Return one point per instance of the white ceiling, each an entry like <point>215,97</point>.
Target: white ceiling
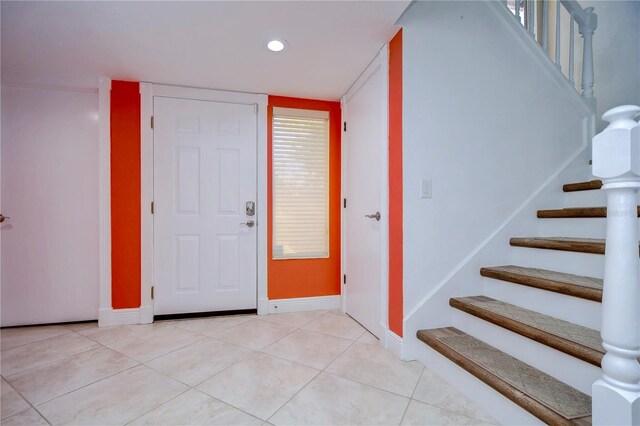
<point>217,45</point>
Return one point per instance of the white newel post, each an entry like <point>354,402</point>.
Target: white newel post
<point>616,160</point>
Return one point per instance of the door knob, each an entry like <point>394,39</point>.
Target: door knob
<point>375,216</point>
<point>3,218</point>
<point>249,224</point>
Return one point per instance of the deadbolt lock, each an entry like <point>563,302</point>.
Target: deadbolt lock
<point>251,208</point>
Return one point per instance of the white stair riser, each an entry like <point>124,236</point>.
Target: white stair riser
<point>574,227</point>
<point>566,368</point>
<point>573,309</point>
<point>585,264</point>
<point>594,198</point>
<point>492,402</point>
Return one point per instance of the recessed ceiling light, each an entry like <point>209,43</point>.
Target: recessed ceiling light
<point>275,45</point>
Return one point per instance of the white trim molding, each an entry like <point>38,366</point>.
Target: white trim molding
<point>109,317</point>
<point>301,304</point>
<point>393,343</point>
<point>104,195</point>
<point>49,81</point>
<point>146,197</point>
<point>262,206</point>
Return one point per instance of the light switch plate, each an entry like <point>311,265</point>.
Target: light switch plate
<point>425,188</point>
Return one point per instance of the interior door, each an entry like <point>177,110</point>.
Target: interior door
<point>365,172</point>
<point>50,269</point>
<point>205,240</point>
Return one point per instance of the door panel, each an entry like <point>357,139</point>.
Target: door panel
<point>366,139</point>
<point>204,173</point>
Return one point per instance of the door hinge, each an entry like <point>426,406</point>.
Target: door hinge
<point>344,279</point>
<point>153,205</point>
<point>344,126</point>
<point>152,121</point>
<point>344,203</point>
<point>152,292</point>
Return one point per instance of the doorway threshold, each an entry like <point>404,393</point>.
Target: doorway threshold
<point>204,314</point>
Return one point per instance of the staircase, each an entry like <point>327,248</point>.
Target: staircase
<point>541,394</point>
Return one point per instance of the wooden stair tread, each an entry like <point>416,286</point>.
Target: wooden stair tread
<point>575,340</point>
<point>572,285</point>
<point>547,398</point>
<point>582,186</point>
<point>575,212</point>
<point>581,245</point>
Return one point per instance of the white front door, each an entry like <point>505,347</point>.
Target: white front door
<point>205,245</point>
<point>365,142</point>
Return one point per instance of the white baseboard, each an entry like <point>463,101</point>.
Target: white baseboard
<point>109,317</point>
<point>300,304</point>
<point>104,317</point>
<point>146,314</point>
<point>263,306</point>
<point>393,343</point>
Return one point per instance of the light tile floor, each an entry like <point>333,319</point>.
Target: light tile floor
<point>318,368</point>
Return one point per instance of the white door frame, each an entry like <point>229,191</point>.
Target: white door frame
<point>144,314</point>
<point>105,310</point>
<point>380,63</point>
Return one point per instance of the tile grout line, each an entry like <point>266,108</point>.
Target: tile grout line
<point>307,384</point>
<point>412,394</point>
<point>260,351</point>
<point>155,408</point>
<point>38,341</point>
<point>221,371</point>
<point>54,361</point>
<point>90,384</point>
<point>213,337</point>
<point>424,367</point>
<point>374,386</point>
<point>453,411</point>
<point>100,345</point>
<point>27,401</point>
<point>188,385</point>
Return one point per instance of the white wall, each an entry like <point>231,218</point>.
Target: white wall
<point>616,51</point>
<point>487,119</point>
<point>50,190</point>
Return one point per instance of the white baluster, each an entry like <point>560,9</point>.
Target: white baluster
<point>517,5</point>
<point>586,30</point>
<point>545,26</point>
<point>616,160</point>
<point>531,13</point>
<point>571,48</point>
<point>558,34</point>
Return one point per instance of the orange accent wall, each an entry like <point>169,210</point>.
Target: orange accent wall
<point>395,185</point>
<point>307,277</point>
<point>125,195</point>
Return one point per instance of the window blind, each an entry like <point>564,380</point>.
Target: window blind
<point>300,184</point>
